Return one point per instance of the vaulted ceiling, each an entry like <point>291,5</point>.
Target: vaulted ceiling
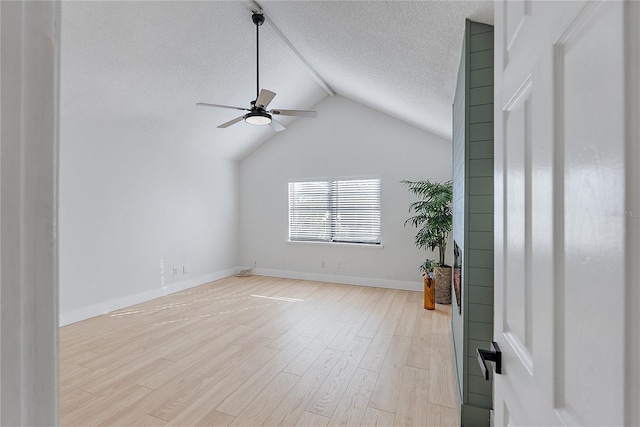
<point>144,65</point>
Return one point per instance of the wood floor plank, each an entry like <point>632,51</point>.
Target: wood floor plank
<point>387,389</point>
<point>201,416</point>
<point>71,374</point>
<point>149,421</point>
<point>376,418</point>
<point>309,419</point>
<point>135,345</point>
<point>127,415</point>
<point>441,319</point>
<point>231,310</point>
<point>214,419</point>
<point>73,398</point>
<point>357,300</point>
<point>177,397</point>
<point>290,315</point>
<point>81,359</point>
<point>336,296</point>
<point>408,318</point>
<point>282,340</point>
<point>442,416</point>
<point>349,331</point>
<point>238,400</point>
<point>200,338</point>
<point>209,391</point>
<point>377,351</point>
<point>99,343</point>
<point>258,410</point>
<point>122,351</point>
<point>270,313</point>
<point>203,343</point>
<point>189,367</point>
<point>97,410</point>
<point>353,405</point>
<point>326,399</point>
<point>93,327</point>
<point>134,374</point>
<point>165,308</point>
<point>301,363</point>
<point>294,403</point>
<point>187,402</point>
<point>376,316</point>
<point>369,298</point>
<point>412,407</point>
<point>442,388</point>
<point>419,351</point>
<point>183,359</point>
<point>318,326</point>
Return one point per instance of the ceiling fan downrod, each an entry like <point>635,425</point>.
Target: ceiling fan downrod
<point>258,19</point>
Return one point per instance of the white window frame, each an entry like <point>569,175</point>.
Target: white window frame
<point>331,236</point>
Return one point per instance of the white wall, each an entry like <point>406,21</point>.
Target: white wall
<point>347,139</point>
<point>132,209</point>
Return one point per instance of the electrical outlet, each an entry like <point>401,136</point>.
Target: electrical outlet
<point>338,266</point>
<point>185,270</point>
<point>175,271</point>
<point>322,264</point>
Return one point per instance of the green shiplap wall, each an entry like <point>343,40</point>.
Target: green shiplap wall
<point>473,217</point>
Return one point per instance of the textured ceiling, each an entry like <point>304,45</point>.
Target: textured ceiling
<point>400,57</point>
<point>144,65</point>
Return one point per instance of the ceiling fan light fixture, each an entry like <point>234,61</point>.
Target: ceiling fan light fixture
<point>257,118</point>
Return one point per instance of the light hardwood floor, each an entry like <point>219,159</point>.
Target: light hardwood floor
<point>262,351</point>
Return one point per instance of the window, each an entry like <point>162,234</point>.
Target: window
<point>345,211</point>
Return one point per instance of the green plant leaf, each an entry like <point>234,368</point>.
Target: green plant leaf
<point>433,214</point>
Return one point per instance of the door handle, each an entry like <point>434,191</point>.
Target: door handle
<point>494,356</point>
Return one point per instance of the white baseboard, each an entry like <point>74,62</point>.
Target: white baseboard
<point>129,300</point>
<point>347,280</point>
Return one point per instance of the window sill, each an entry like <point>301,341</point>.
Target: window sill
<point>358,245</point>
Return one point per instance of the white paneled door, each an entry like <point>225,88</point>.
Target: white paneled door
<point>566,214</point>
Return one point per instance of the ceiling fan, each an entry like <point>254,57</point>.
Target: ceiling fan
<point>258,113</point>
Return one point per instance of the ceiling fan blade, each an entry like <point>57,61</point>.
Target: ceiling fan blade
<point>204,104</point>
<point>265,97</point>
<point>276,125</point>
<point>231,122</point>
<point>297,113</point>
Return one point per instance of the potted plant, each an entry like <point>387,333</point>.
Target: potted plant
<point>428,266</point>
<point>433,218</point>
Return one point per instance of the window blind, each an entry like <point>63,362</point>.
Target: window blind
<point>335,211</point>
